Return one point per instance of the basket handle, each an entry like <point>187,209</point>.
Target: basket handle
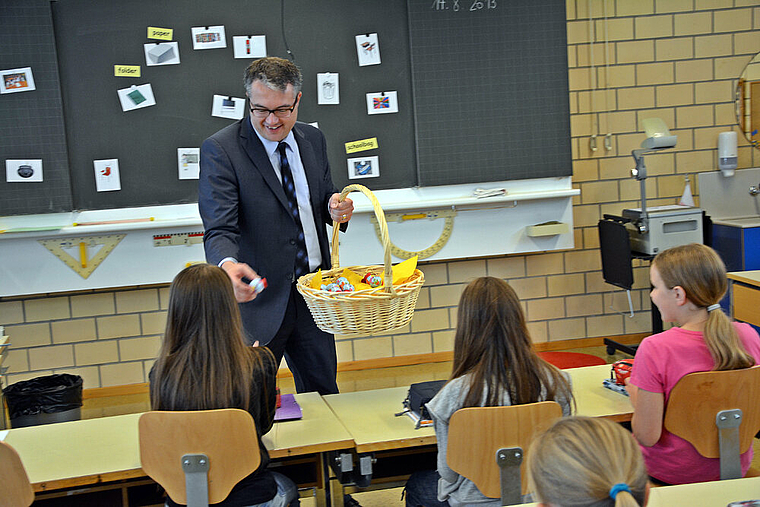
<point>384,236</point>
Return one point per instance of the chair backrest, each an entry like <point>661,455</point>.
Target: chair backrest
<point>15,488</point>
<point>476,434</point>
<point>226,437</point>
<point>698,397</point>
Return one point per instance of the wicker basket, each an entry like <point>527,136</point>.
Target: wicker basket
<point>368,311</point>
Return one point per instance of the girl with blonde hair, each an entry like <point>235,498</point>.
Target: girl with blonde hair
<point>688,282</point>
<point>204,363</point>
<point>494,365</point>
<point>587,462</point>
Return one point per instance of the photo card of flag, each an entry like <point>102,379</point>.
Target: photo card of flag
<point>382,102</point>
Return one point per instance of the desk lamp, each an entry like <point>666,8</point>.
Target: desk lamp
<point>658,138</point>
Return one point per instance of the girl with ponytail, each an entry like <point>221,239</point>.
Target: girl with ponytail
<point>688,282</point>
<point>587,462</point>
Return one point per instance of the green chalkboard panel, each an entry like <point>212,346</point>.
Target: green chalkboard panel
<point>32,121</point>
<point>490,90</point>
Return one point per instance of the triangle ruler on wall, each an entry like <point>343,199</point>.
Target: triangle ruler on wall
<point>83,254</point>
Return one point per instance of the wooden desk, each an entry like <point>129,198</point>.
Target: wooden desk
<point>95,451</point>
<point>369,418</point>
<point>368,415</point>
<point>593,399</point>
<point>745,296</point>
<point>702,494</point>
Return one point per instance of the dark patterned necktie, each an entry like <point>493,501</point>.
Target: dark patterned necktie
<point>288,185</point>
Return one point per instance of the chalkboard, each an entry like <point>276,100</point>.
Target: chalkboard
<point>482,94</point>
<point>94,36</point>
<point>490,90</point>
<point>32,121</point>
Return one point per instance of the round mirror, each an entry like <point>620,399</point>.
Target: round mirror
<point>748,101</point>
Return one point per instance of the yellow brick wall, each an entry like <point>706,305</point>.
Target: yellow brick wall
<point>673,59</point>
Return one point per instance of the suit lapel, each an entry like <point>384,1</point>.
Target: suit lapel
<point>258,155</point>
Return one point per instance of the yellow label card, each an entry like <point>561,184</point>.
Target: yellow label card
<point>126,70</point>
<point>362,145</point>
<point>160,33</point>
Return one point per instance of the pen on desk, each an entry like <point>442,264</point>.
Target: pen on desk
<point>109,222</point>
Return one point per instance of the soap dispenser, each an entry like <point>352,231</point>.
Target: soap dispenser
<point>727,155</point>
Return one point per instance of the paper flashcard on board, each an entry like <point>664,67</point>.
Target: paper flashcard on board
<point>208,37</point>
<point>228,107</point>
<point>188,160</point>
<point>16,80</point>
<point>327,88</point>
<point>249,46</point>
<point>23,170</point>
<point>382,102</point>
<point>136,96</point>
<point>161,53</point>
<point>363,167</point>
<point>368,49</point>
<point>107,175</point>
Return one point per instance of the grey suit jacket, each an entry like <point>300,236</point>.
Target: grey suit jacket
<point>245,214</point>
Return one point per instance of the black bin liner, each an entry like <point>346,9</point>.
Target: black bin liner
<point>29,401</point>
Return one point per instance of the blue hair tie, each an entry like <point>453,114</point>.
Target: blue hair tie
<point>617,488</point>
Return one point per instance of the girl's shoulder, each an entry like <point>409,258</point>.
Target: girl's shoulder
<point>749,337</point>
<point>675,337</point>
<point>450,398</point>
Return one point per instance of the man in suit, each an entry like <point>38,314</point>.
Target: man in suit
<point>265,196</point>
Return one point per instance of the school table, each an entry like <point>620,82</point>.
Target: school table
<point>702,494</point>
<point>745,296</point>
<point>377,432</point>
<point>91,452</point>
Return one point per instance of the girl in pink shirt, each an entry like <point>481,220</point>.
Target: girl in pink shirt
<point>688,282</point>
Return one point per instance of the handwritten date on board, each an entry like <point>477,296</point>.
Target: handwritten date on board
<point>456,5</point>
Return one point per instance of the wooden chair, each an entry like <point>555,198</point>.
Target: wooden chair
<point>718,412</point>
<point>15,488</point>
<point>487,445</point>
<point>198,456</point>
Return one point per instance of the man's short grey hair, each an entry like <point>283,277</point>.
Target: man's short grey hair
<point>275,73</point>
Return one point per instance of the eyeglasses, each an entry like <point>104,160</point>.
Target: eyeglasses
<point>282,112</point>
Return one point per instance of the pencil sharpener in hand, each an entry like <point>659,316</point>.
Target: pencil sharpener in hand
<point>621,370</point>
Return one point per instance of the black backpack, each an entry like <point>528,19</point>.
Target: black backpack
<point>419,394</point>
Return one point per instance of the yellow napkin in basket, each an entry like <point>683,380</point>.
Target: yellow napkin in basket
<point>316,280</point>
<point>404,270</point>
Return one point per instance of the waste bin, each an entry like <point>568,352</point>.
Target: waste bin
<point>44,400</point>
